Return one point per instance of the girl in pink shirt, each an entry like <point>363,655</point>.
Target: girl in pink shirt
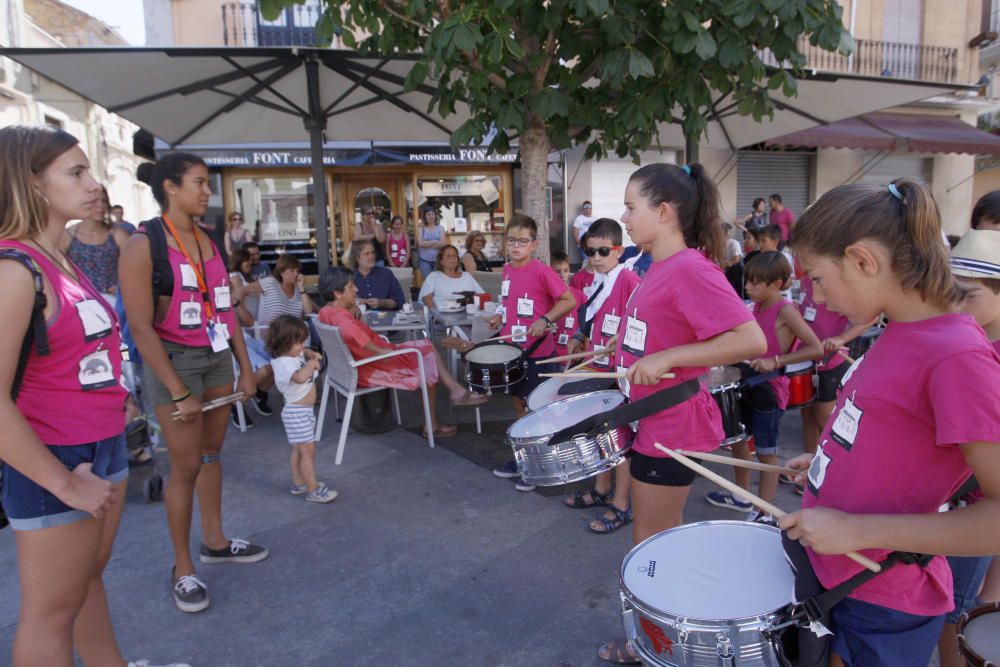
<point>684,318</point>
<point>63,449</point>
<point>188,335</point>
<point>913,418</point>
<point>397,246</point>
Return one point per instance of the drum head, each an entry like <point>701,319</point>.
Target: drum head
<point>979,637</point>
<point>690,571</point>
<point>493,353</point>
<point>556,416</point>
<point>547,393</point>
<point>722,376</point>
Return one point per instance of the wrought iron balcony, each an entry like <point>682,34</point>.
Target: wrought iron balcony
<point>889,59</point>
<point>243,25</point>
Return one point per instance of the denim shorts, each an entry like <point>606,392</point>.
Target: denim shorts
<point>30,507</point>
<point>764,429</point>
<point>867,635</point>
<point>968,573</point>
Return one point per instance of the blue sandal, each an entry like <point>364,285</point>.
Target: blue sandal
<point>621,518</point>
<point>596,499</point>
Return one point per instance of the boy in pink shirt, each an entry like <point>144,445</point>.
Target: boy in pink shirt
<point>532,299</point>
<point>567,324</point>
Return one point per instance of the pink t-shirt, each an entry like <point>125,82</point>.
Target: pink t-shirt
<point>186,321</point>
<point>824,322</point>
<point>567,325</point>
<point>768,320</point>
<point>609,315</point>
<point>527,293</point>
<point>784,219</point>
<point>682,299</point>
<point>399,250</point>
<point>582,279</point>
<point>891,445</point>
<point>74,394</point>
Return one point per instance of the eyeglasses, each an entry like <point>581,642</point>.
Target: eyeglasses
<point>368,213</point>
<point>521,243</point>
<point>603,251</point>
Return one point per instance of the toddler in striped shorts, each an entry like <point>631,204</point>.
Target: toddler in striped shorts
<point>295,369</point>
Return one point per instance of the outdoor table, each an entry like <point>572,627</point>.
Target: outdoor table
<point>397,320</point>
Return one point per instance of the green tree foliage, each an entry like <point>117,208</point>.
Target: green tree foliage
<point>603,73</point>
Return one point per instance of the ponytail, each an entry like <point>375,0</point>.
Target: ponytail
<point>903,217</point>
<point>695,199</point>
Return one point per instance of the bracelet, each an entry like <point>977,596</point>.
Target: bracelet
<point>546,318</point>
<point>185,395</point>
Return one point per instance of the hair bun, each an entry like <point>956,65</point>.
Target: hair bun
<point>144,172</point>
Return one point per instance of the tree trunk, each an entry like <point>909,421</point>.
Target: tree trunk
<point>534,146</point>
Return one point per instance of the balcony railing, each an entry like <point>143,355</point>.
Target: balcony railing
<point>888,59</point>
<point>243,25</point>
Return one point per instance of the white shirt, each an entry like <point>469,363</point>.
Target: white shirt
<point>582,223</point>
<point>733,249</point>
<point>284,368</point>
<point>444,287</point>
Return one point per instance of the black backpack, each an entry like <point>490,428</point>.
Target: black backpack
<point>163,279</point>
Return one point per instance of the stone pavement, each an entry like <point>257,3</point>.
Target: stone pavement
<point>424,559</point>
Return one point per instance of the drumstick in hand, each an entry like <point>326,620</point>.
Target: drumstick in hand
<point>596,375</point>
<point>215,403</point>
<point>757,502</point>
<point>596,352</point>
<point>846,357</point>
<point>740,463</point>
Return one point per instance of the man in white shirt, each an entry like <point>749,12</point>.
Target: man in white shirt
<point>581,224</point>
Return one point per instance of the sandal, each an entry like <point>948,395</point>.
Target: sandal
<point>619,652</point>
<point>470,398</point>
<point>620,518</point>
<point>577,502</point>
<point>441,431</point>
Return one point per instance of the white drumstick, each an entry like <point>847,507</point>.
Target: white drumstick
<point>215,403</point>
<point>596,375</point>
<point>740,463</point>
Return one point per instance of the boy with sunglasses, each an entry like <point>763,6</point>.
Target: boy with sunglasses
<point>532,298</point>
<point>599,317</point>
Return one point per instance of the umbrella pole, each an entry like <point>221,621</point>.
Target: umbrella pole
<point>316,124</point>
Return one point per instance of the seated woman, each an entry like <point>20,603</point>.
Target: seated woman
<point>239,276</point>
<point>377,286</point>
<point>447,280</point>
<point>281,293</point>
<point>337,286</point>
<point>475,259</point>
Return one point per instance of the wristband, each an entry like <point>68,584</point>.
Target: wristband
<point>185,395</point>
<point>546,318</point>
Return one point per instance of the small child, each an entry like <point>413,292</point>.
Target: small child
<point>782,324</point>
<point>295,370</point>
<point>567,325</point>
<point>585,276</point>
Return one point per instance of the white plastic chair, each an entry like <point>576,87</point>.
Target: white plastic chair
<point>240,414</point>
<point>342,377</point>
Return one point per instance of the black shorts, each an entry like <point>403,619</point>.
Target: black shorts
<point>659,470</point>
<point>532,380</point>
<point>829,383</point>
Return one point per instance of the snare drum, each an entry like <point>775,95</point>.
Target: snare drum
<point>979,636</point>
<point>571,461</point>
<point>547,393</point>
<point>723,383</point>
<point>857,347</point>
<point>801,384</point>
<point>685,605</point>
<point>494,365</point>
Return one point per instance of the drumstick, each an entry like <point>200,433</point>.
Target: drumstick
<point>579,355</point>
<point>846,357</point>
<point>513,335</point>
<point>580,365</point>
<point>596,375</point>
<point>740,463</point>
<point>215,403</point>
<point>759,503</point>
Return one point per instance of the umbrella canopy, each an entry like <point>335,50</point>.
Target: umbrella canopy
<point>230,95</point>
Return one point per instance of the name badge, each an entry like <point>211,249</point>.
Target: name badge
<point>569,322</point>
<point>95,320</point>
<point>504,289</point>
<point>563,339</point>
<point>817,469</point>
<point>190,315</point>
<point>395,247</point>
<point>223,298</point>
<point>624,384</point>
<point>188,278</point>
<point>525,307</point>
<point>519,332</point>
<point>502,312</point>
<point>604,361</point>
<point>610,325</point>
<point>800,297</point>
<point>635,336</point>
<point>810,314</point>
<point>95,371</point>
<point>218,336</point>
<point>848,422</point>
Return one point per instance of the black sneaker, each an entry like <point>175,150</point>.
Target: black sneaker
<point>259,403</point>
<point>507,470</point>
<point>238,551</point>
<point>246,418</point>
<point>190,594</point>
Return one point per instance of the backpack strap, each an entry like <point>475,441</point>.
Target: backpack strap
<point>37,332</point>
<point>163,274</point>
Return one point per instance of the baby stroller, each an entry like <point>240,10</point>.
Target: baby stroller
<point>142,431</point>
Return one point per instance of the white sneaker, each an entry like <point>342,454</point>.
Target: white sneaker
<point>299,490</point>
<point>147,663</point>
<point>322,494</point>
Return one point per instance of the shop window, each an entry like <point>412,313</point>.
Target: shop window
<point>279,211</point>
<point>467,203</point>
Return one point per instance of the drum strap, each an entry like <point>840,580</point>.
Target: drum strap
<point>626,414</point>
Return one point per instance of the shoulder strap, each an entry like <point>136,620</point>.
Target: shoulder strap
<point>37,332</point>
<point>163,275</point>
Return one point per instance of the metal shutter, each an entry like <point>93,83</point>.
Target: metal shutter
<point>905,165</point>
<point>760,174</point>
<point>608,179</point>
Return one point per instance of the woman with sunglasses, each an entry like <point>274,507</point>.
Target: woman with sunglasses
<point>370,229</point>
<point>474,258</point>
<point>236,234</point>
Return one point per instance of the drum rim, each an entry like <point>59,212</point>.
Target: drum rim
<point>489,343</point>
<point>715,389</point>
<point>523,441</point>
<point>665,616</point>
<point>963,621</point>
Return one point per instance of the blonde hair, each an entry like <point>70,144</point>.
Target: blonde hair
<point>27,151</point>
<point>471,237</point>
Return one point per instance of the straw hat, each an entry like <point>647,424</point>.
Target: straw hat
<point>977,255</point>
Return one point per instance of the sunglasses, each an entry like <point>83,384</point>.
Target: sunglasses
<point>603,251</point>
